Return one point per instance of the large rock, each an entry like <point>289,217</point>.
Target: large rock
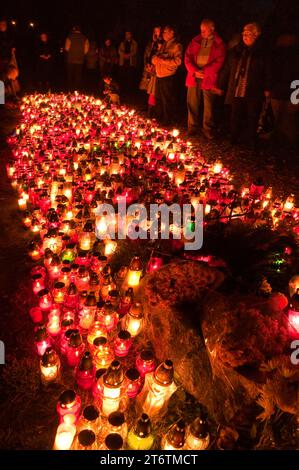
<point>217,343</point>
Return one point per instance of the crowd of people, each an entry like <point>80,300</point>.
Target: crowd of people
<point>252,79</point>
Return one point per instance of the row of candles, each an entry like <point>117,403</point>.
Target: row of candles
<point>72,154</point>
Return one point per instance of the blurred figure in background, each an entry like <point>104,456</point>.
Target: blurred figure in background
<point>246,77</point>
<point>11,86</point>
<point>108,58</point>
<point>148,80</point>
<point>44,62</point>
<point>128,62</point>
<point>166,62</point>
<point>92,67</point>
<point>284,70</point>
<point>76,48</point>
<point>7,49</point>
<point>111,90</point>
<point>204,58</point>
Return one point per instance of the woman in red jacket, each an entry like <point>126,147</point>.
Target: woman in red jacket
<point>204,58</point>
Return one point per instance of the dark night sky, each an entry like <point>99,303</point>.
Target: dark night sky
<point>100,17</point>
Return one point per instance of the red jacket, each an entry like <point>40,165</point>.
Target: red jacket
<point>211,69</point>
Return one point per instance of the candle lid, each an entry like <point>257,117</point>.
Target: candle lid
<point>86,361</point>
<point>136,310</point>
<point>43,292</point>
<point>67,397</point>
<point>49,357</point>
<point>114,441</point>
<point>176,435</point>
<point>86,437</point>
<point>114,375</point>
<point>100,341</point>
<point>147,355</point>
<point>91,413</point>
<point>75,340</point>
<point>100,372</point>
<point>117,418</point>
<point>143,426</point>
<point>132,374</point>
<point>124,335</point>
<point>199,428</point>
<point>41,334</point>
<point>59,285</point>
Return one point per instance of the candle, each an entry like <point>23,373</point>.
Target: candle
<point>69,403</point>
<point>85,372</point>
<point>59,292</point>
<point>140,436</point>
<point>110,247</point>
<point>175,437</point>
<point>42,341</point>
<point>112,382</point>
<point>145,362</point>
<point>90,419</point>
<point>122,343</point>
<point>36,314</point>
<point>133,321</point>
<point>197,435</point>
<point>133,382</point>
<point>49,366</point>
<point>134,272</point>
<point>75,349</point>
<point>22,204</point>
<point>45,299</point>
<point>102,352</point>
<point>64,436</point>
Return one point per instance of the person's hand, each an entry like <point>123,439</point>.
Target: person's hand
<point>267,94</point>
<point>199,74</point>
<point>154,60</point>
<point>217,91</point>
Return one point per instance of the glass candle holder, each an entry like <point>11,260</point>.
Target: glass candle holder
<point>122,343</point>
<point>116,424</point>
<point>133,382</point>
<point>96,331</point>
<point>38,283</point>
<point>86,440</point>
<point>112,442</point>
<point>69,403</point>
<point>175,437</point>
<point>49,366</point>
<point>54,267</point>
<point>134,272</point>
<point>65,338</point>
<point>112,387</point>
<point>145,362</point>
<point>90,419</point>
<point>102,352</point>
<point>85,372</point>
<point>140,436</point>
<point>75,349</point>
<point>42,340</point>
<point>133,321</point>
<point>45,299</point>
<point>36,314</point>
<point>108,317</point>
<point>197,435</point>
<point>59,292</point>
<point>82,279</point>
<point>72,296</point>
<point>64,436</point>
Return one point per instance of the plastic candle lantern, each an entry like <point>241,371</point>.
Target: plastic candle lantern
<point>64,436</point>
<point>293,315</point>
<point>110,247</point>
<point>34,251</point>
<point>42,340</point>
<point>102,352</point>
<point>107,286</point>
<point>26,219</point>
<point>116,423</point>
<point>133,382</point>
<point>45,299</point>
<point>85,372</point>
<point>197,435</point>
<point>126,302</point>
<point>86,440</point>
<point>90,419</point>
<point>72,296</point>
<point>134,272</point>
<point>175,438</point>
<point>82,279</point>
<point>289,203</point>
<point>155,262</point>
<point>75,349</point>
<point>69,253</point>
<point>49,366</point>
<point>107,317</point>
<point>87,313</point>
<point>123,343</point>
<point>59,292</point>
<point>158,388</point>
<point>65,276</point>
<point>112,382</point>
<point>53,325</point>
<point>145,362</point>
<point>69,403</point>
<point>87,236</point>
<point>140,436</point>
<point>95,331</point>
<point>65,338</point>
<point>133,321</point>
<point>54,267</point>
<point>38,283</point>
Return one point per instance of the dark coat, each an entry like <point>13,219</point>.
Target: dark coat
<point>258,74</point>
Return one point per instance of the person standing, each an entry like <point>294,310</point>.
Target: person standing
<point>128,61</point>
<point>246,78</point>
<point>44,62</point>
<point>92,67</point>
<point>6,46</point>
<point>76,47</point>
<point>166,62</point>
<point>204,58</point>
<point>108,58</point>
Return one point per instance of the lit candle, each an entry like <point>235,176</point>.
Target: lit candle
<point>69,403</point>
<point>145,362</point>
<point>64,436</point>
<point>175,437</point>
<point>45,299</point>
<point>59,292</point>
<point>75,349</point>
<point>49,366</point>
<point>133,321</point>
<point>85,372</point>
<point>112,387</point>
<point>102,352</point>
<point>134,272</point>
<point>22,204</point>
<point>123,343</point>
<point>42,340</point>
<point>133,382</point>
<point>197,435</point>
<point>140,436</point>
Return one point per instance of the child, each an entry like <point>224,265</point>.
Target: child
<point>111,90</point>
<point>11,86</point>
